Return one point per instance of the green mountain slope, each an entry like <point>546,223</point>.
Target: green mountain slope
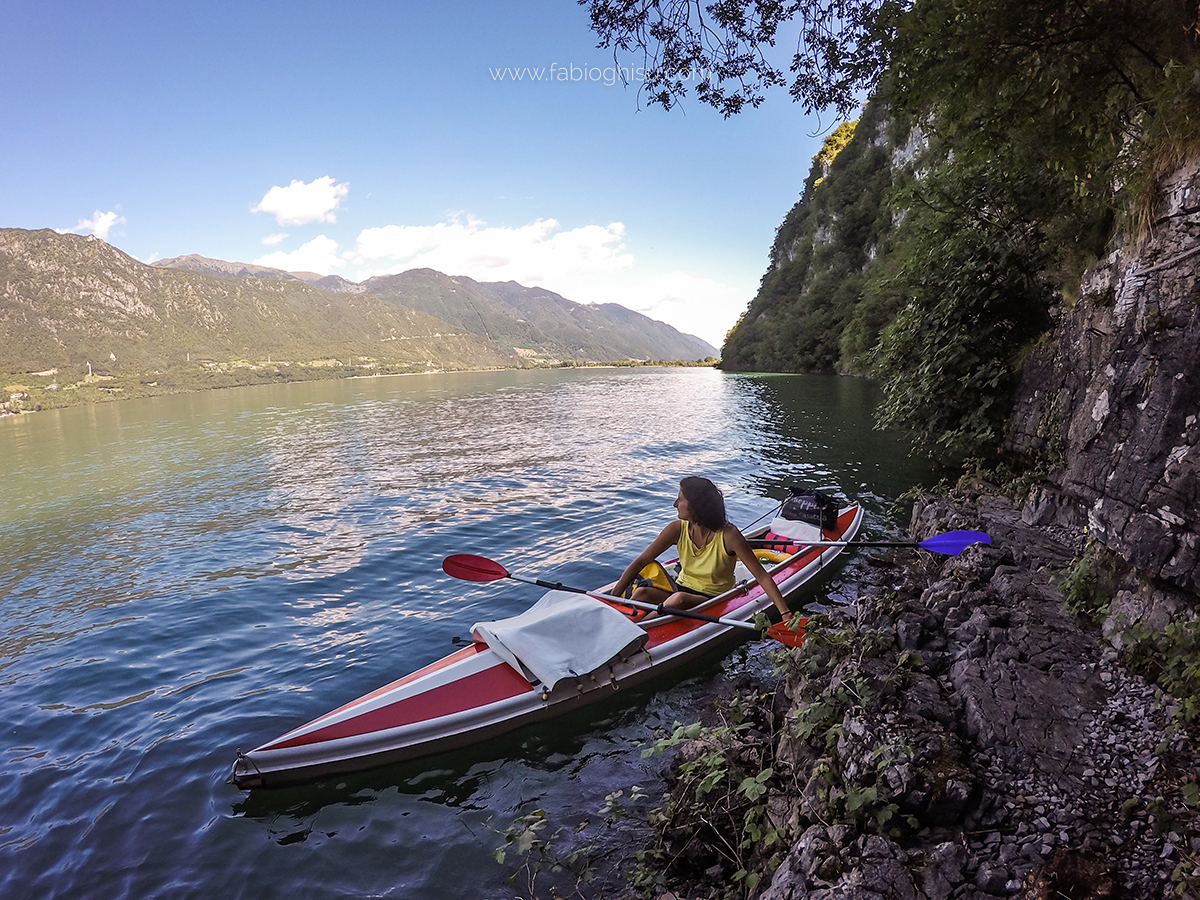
<point>533,322</point>
<point>70,301</point>
<point>812,312</point>
<point>193,262</point>
<point>536,322</point>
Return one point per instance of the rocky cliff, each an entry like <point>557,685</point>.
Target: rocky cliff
<point>1112,405</point>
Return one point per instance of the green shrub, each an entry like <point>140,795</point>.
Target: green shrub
<point>1171,659</point>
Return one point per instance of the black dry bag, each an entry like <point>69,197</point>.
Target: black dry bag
<point>811,507</point>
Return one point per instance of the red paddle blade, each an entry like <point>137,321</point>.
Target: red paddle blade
<point>785,635</point>
<point>473,568</point>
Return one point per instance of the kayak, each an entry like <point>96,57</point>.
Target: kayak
<point>514,673</point>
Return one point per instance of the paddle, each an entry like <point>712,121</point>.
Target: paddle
<point>479,568</point>
<point>950,543</point>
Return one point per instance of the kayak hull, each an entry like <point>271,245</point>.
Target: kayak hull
<point>473,695</point>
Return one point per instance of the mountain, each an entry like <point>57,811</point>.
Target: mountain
<point>67,301</point>
<point>79,305</point>
<point>538,322</point>
<point>330,283</point>
<point>203,265</point>
<point>193,262</point>
<point>534,323</point>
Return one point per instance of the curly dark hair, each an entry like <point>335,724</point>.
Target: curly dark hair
<point>705,500</point>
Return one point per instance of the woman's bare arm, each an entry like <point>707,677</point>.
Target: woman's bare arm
<point>668,537</point>
<point>736,544</point>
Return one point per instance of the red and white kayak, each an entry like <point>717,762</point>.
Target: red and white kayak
<point>474,693</point>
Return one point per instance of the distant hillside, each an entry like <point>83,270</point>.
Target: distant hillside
<point>205,266</point>
<point>202,265</point>
<point>67,301</point>
<point>537,321</point>
<point>81,321</point>
<point>534,323</point>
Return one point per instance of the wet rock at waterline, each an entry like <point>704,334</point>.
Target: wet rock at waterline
<point>992,745</point>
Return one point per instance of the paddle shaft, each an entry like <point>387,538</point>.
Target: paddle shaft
<point>660,608</point>
<point>796,542</point>
<point>950,543</point>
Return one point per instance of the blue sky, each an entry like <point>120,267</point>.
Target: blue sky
<point>360,138</point>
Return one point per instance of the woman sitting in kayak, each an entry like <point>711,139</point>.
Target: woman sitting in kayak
<point>708,547</point>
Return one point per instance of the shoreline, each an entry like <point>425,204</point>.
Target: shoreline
<point>22,399</point>
<point>955,734</point>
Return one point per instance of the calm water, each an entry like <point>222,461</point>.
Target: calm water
<point>189,575</point>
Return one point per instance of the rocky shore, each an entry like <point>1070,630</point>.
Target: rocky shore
<point>960,732</point>
<point>955,734</point>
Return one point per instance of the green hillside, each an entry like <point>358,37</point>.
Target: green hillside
<point>992,165</point>
<point>537,323</point>
<point>810,314</point>
<point>82,321</point>
<point>101,322</point>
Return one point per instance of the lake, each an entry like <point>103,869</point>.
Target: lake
<point>189,575</point>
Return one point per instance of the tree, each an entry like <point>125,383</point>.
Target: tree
<point>973,272</point>
<point>724,49</point>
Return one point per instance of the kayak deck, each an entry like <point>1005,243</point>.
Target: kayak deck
<point>473,694</point>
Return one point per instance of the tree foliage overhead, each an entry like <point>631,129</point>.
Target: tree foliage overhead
<point>724,49</point>
<point>1069,86</point>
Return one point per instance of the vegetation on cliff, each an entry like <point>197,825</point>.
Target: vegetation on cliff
<point>1005,146</point>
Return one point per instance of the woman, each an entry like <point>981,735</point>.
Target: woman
<point>708,548</point>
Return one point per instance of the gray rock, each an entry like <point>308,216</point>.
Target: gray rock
<point>992,878</point>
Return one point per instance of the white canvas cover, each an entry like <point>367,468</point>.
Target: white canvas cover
<point>563,635</point>
<point>801,532</point>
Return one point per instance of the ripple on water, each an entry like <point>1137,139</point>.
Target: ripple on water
<point>189,575</point>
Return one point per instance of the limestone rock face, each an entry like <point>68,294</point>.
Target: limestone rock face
<point>1114,400</point>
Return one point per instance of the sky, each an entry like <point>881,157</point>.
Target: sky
<point>367,137</point>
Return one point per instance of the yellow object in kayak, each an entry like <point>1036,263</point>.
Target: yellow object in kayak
<point>652,575</point>
<point>769,555</point>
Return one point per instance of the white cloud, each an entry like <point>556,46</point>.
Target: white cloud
<point>100,224</point>
<point>538,254</point>
<point>272,239</point>
<point>319,255</point>
<point>300,203</point>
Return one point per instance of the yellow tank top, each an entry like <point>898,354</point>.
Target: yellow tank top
<point>709,570</point>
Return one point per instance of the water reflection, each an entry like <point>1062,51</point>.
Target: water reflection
<point>816,431</point>
<point>191,574</point>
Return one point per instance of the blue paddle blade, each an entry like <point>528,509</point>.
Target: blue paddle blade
<point>952,543</point>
